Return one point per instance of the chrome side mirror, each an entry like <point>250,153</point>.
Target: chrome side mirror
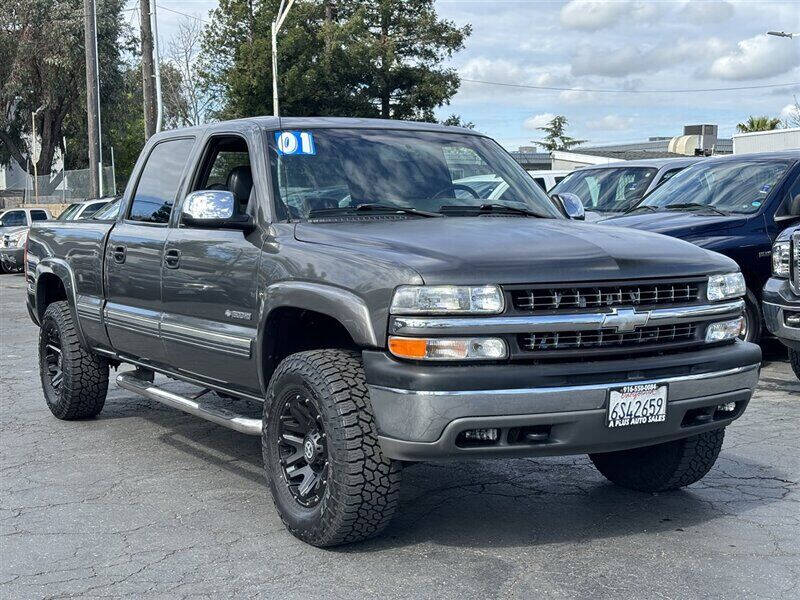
<point>213,209</point>
<point>571,205</point>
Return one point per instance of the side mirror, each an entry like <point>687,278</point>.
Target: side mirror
<point>213,209</point>
<point>571,204</point>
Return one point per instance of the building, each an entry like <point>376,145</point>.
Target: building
<point>766,141</point>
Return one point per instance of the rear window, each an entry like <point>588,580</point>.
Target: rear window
<point>158,184</point>
<point>38,215</point>
<point>614,189</point>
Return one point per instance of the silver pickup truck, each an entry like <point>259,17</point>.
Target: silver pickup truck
<point>346,274</point>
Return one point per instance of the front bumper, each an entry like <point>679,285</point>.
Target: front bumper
<point>418,422</point>
<point>11,258</point>
<point>781,307</point>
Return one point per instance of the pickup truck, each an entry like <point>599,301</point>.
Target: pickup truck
<point>782,294</point>
<point>14,224</point>
<point>735,205</point>
<point>340,272</point>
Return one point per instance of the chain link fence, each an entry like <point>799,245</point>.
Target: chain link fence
<point>64,187</point>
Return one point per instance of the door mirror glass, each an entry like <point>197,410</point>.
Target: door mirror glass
<point>213,209</point>
<point>571,205</point>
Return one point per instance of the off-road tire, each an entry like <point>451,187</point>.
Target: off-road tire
<point>362,486</point>
<point>794,360</point>
<point>84,382</point>
<point>755,321</point>
<point>662,467</point>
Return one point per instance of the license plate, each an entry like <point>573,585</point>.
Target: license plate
<point>637,405</point>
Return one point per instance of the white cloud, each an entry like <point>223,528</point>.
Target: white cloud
<point>610,123</point>
<point>592,15</point>
<point>791,114</point>
<point>756,58</point>
<point>539,120</point>
<point>486,69</point>
<point>707,12</point>
<point>576,96</point>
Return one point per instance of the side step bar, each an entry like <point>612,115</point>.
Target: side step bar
<point>220,416</point>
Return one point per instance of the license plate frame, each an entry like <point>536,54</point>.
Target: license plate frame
<point>637,404</point>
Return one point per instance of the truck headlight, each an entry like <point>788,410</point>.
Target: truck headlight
<point>17,240</point>
<point>448,348</point>
<point>781,259</point>
<point>447,299</point>
<point>725,287</point>
<point>724,330</point>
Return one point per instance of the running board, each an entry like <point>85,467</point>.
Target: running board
<point>220,416</point>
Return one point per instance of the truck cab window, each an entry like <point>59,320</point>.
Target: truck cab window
<point>13,218</point>
<point>159,182</point>
<point>227,167</point>
<point>790,207</point>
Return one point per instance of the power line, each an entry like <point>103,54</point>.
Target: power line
<point>183,14</point>
<point>630,91</point>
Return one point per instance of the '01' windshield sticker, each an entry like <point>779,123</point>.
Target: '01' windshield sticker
<point>292,143</point>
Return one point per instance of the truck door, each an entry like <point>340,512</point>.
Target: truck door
<point>209,324</point>
<point>135,250</point>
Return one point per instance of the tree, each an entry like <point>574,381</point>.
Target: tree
<point>556,138</point>
<point>455,120</point>
<point>763,123</point>
<point>374,58</point>
<point>793,118</point>
<point>41,42</point>
<point>181,86</point>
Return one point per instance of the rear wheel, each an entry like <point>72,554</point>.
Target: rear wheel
<point>74,380</point>
<point>794,360</point>
<point>330,482</point>
<point>662,467</point>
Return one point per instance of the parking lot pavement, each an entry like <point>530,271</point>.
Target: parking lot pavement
<point>145,501</point>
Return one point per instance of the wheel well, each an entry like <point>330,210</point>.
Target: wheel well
<point>289,330</point>
<point>49,289</point>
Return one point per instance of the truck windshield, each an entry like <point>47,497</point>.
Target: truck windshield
<point>614,189</point>
<point>729,186</point>
<point>330,171</point>
<point>68,212</point>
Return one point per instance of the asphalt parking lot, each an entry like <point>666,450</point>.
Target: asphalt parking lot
<point>145,501</point>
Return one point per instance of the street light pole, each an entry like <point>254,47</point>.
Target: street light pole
<point>276,27</point>
<point>33,153</point>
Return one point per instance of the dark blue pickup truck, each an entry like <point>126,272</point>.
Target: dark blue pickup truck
<point>735,205</point>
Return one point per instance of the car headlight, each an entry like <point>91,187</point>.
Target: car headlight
<point>781,259</point>
<point>447,299</point>
<point>725,287</point>
<point>448,348</point>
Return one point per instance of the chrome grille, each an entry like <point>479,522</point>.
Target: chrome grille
<point>605,296</point>
<point>608,338</point>
<point>794,268</point>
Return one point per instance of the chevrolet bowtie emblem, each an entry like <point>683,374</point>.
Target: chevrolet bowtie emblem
<point>625,319</point>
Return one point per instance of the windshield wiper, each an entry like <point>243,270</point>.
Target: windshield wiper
<point>372,207</point>
<point>695,206</point>
<point>647,207</point>
<point>490,208</point>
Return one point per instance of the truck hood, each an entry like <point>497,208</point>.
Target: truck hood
<point>680,224</point>
<point>510,250</point>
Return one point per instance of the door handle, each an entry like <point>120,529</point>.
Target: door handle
<point>119,253</point>
<point>172,259</point>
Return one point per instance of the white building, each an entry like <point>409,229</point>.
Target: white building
<point>766,141</point>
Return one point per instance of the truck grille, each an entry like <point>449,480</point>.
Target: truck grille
<point>608,338</point>
<point>605,296</point>
<point>794,268</point>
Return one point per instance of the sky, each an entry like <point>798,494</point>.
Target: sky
<point>612,60</point>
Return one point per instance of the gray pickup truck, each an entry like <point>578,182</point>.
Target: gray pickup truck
<point>341,272</point>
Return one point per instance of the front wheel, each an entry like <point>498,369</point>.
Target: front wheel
<point>330,482</point>
<point>662,467</point>
<point>751,328</point>
<point>794,360</point>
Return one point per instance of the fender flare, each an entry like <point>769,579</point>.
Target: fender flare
<point>61,269</point>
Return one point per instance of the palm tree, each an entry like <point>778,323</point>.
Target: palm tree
<point>758,124</point>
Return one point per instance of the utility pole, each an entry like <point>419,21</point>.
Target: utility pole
<point>148,72</point>
<point>276,27</point>
<point>92,98</point>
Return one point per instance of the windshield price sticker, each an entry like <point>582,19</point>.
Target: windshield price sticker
<point>637,405</point>
<point>291,143</point>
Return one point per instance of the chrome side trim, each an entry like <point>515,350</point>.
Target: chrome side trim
<point>203,338</point>
<point>556,322</point>
<point>568,388</point>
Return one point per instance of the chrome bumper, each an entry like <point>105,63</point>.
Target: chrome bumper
<point>775,315</point>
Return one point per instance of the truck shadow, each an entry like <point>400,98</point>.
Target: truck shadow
<point>501,503</point>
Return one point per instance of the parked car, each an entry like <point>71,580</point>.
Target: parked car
<point>782,294</point>
<point>547,180</point>
<point>14,224</point>
<point>736,205</point>
<point>380,318</point>
<point>613,189</point>
<point>86,209</point>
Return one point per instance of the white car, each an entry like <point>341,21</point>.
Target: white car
<point>79,211</point>
<point>547,180</point>
<point>21,217</point>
